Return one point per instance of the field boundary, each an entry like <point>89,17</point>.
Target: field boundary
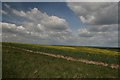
<point>113,66</point>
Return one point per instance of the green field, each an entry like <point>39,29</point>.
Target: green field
<point>18,63</point>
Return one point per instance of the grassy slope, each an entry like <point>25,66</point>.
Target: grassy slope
<point>21,64</point>
<point>94,54</point>
<point>18,64</point>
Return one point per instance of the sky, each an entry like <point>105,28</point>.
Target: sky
<point>61,23</point>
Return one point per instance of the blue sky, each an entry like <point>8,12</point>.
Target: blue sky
<point>61,23</point>
<point>52,9</point>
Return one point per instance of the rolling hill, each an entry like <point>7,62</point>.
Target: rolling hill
<point>42,61</point>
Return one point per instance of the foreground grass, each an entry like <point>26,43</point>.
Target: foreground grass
<point>22,64</point>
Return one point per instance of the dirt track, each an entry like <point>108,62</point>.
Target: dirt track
<point>114,66</point>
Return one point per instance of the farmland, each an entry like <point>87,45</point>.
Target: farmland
<point>21,61</point>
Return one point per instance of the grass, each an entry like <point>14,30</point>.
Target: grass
<point>22,64</point>
<point>94,54</point>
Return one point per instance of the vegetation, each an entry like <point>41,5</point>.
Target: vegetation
<point>95,54</point>
<point>22,64</point>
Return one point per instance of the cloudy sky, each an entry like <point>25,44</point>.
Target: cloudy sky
<point>60,23</point>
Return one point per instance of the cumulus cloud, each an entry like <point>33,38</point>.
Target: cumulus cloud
<point>85,33</point>
<point>100,35</point>
<point>96,12</point>
<point>103,28</point>
<point>102,20</point>
<point>42,20</point>
<point>94,31</point>
<point>13,29</point>
<point>37,25</point>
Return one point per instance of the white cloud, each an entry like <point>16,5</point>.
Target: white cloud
<point>20,28</point>
<point>104,28</point>
<point>42,20</point>
<point>102,18</point>
<point>21,13</point>
<point>85,33</point>
<point>12,28</point>
<point>102,35</point>
<point>38,25</point>
<point>96,12</point>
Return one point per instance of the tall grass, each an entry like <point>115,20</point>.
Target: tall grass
<point>22,64</point>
